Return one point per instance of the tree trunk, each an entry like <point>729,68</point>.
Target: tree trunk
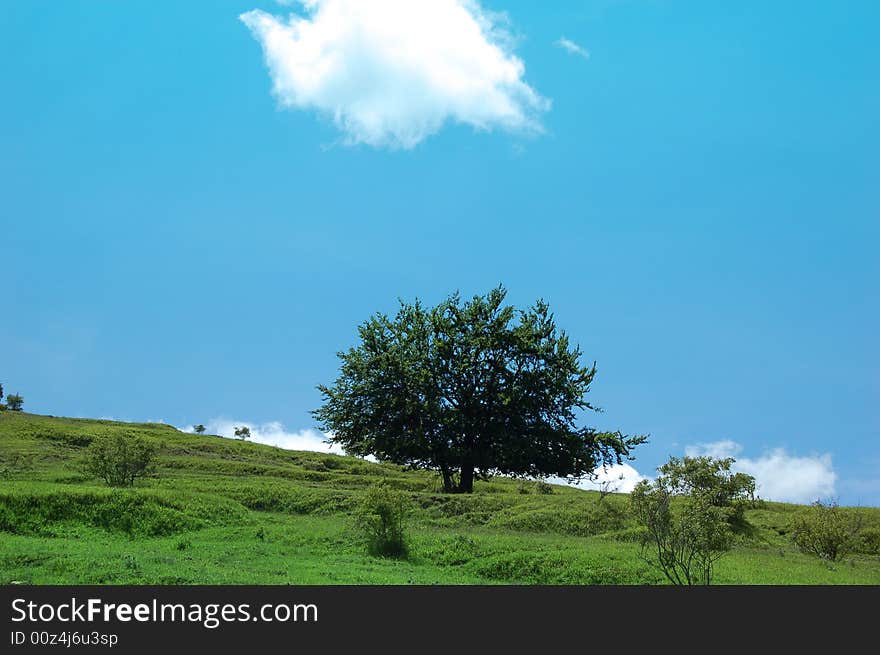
<point>448,483</point>
<point>466,480</point>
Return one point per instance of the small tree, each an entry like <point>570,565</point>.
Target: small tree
<point>381,519</point>
<point>711,479</point>
<point>199,429</point>
<point>14,402</point>
<point>243,432</point>
<point>687,517</point>
<point>119,459</point>
<point>827,530</point>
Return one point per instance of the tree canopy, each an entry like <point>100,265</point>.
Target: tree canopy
<point>469,388</point>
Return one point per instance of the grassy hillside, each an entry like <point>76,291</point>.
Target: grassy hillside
<point>228,512</point>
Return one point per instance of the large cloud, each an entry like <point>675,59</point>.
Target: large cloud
<point>778,474</point>
<point>392,72</point>
<point>272,434</point>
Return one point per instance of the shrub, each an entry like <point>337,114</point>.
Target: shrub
<point>688,513</point>
<point>827,530</point>
<point>119,460</point>
<point>14,402</point>
<point>868,541</point>
<point>380,517</point>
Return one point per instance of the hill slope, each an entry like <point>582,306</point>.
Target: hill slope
<point>227,512</point>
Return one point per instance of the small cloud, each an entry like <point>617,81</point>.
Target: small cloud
<point>618,478</point>
<point>717,449</point>
<point>572,48</point>
<point>778,474</point>
<point>390,73</point>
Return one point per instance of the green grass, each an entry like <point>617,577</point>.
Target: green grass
<point>228,512</point>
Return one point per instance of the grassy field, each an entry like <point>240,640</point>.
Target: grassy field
<point>227,512</point>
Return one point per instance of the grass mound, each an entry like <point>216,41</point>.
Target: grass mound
<point>220,511</point>
<point>46,512</point>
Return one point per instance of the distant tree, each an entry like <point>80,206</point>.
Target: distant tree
<point>1,391</point>
<point>119,459</point>
<point>244,432</point>
<point>14,402</point>
<point>688,512</point>
<point>827,530</point>
<point>199,429</point>
<point>470,389</point>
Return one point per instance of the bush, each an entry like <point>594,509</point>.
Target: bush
<point>868,542</point>
<point>689,513</point>
<point>119,460</point>
<point>827,530</point>
<point>381,519</point>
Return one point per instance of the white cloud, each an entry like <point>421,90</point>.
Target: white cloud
<point>716,449</point>
<point>618,478</point>
<point>572,48</point>
<point>392,72</point>
<point>778,475</point>
<point>272,433</point>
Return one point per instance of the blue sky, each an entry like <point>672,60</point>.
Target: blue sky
<point>695,192</point>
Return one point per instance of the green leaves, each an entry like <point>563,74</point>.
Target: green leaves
<point>470,389</point>
<point>827,530</point>
<point>690,511</point>
<point>119,459</point>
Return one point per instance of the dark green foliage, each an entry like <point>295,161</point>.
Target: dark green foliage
<point>199,429</point>
<point>688,513</point>
<point>470,389</point>
<point>243,432</point>
<point>827,530</point>
<point>119,460</point>
<point>380,518</point>
<point>14,402</point>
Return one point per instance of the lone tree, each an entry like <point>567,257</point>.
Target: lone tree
<point>14,402</point>
<point>470,389</point>
<point>244,432</point>
<point>199,429</point>
<point>119,459</point>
